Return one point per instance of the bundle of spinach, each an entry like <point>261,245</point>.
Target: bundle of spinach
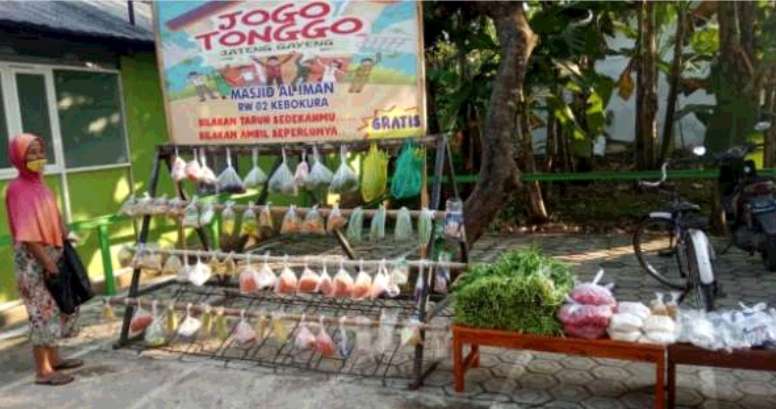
<point>522,291</point>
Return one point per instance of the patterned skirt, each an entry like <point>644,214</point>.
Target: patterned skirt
<point>47,323</point>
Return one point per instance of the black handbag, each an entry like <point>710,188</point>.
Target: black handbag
<point>71,287</point>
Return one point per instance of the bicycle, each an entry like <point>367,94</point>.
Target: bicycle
<point>688,246</point>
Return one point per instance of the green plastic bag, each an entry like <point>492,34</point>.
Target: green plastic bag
<point>355,225</point>
<point>403,225</point>
<point>377,228</point>
<point>375,181</point>
<point>408,178</point>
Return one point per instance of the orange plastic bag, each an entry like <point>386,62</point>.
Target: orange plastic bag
<point>323,342</point>
<point>141,320</point>
<point>380,283</point>
<point>363,285</point>
<point>343,283</point>
<point>249,283</point>
<point>308,282</point>
<point>287,283</point>
<point>325,283</point>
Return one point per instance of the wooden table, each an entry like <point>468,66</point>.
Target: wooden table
<point>628,351</point>
<point>687,354</point>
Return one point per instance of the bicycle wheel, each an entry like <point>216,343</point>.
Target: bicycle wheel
<point>655,244</point>
<point>703,294</point>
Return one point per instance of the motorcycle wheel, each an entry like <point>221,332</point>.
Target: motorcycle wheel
<point>769,253</point>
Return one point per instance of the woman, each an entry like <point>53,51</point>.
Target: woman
<point>38,234</point>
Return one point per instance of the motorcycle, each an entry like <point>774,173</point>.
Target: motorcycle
<point>749,204</point>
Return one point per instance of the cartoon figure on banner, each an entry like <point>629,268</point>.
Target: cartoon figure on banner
<point>362,73</point>
<point>250,76</point>
<point>232,75</point>
<point>198,81</point>
<point>304,67</point>
<point>222,86</point>
<point>333,71</point>
<point>274,66</point>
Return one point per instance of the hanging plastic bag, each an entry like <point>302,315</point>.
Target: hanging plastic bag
<point>229,180</point>
<point>155,335</point>
<point>287,282</point>
<point>106,312</point>
<point>178,169</point>
<point>364,335</point>
<point>250,224</point>
<point>323,342</point>
<point>190,325</point>
<point>425,225</point>
<point>141,320</point>
<point>304,337</point>
<point>340,339</point>
<point>222,328</point>
<point>408,176</point>
<point>308,281</point>
<point>207,322</point>
<point>230,265</point>
<point>228,219</point>
<point>256,178</point>
<point>325,282</point>
<point>400,273</point>
<point>266,226</point>
<point>320,176</point>
<point>442,274</point>
<point>635,308</point>
<point>265,276</point>
<point>380,283</point>
<point>363,284</point>
<point>313,222</point>
<point>206,176</point>
<point>282,181</point>
<point>377,227</point>
<point>171,320</point>
<point>594,294</point>
<point>335,221</point>
<point>200,273</point>
<point>279,331</point>
<point>193,169</point>
<point>243,332</point>
<point>183,274</point>
<point>375,175</point>
<point>249,283</point>
<point>343,282</point>
<point>385,335</point>
<point>302,171</point>
<point>657,306</point>
<point>344,180</point>
<point>403,230</point>
<point>207,214</point>
<point>410,333</point>
<point>172,265</point>
<point>128,207</point>
<point>191,214</point>
<point>147,258</point>
<point>356,225</point>
<point>261,326</point>
<point>125,255</point>
<point>291,222</point>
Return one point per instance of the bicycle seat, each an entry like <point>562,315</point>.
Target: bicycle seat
<point>681,207</point>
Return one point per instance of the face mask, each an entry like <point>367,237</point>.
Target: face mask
<point>37,165</point>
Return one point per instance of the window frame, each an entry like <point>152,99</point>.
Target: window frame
<point>8,71</point>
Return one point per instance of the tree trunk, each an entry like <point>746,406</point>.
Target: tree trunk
<point>498,174</point>
<point>534,190</point>
<point>646,90</point>
<point>673,85</point>
<point>770,109</point>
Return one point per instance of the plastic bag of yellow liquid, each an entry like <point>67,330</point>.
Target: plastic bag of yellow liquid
<point>375,178</point>
<point>250,224</point>
<point>228,219</point>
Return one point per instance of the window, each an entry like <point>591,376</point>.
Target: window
<point>34,109</point>
<point>4,163</point>
<point>90,118</point>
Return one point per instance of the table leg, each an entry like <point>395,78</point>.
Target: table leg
<point>458,369</point>
<point>476,354</point>
<point>671,383</point>
<point>660,384</point>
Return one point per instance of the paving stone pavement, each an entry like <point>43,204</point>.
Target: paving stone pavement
<point>514,379</point>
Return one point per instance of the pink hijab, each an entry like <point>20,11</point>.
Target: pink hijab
<point>33,215</point>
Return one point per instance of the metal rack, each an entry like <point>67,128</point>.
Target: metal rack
<point>387,365</point>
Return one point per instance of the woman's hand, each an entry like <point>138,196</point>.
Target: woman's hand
<point>51,271</point>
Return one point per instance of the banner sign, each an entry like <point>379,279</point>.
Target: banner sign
<point>269,71</point>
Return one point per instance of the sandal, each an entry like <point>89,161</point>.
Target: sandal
<point>66,364</point>
<point>56,379</point>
